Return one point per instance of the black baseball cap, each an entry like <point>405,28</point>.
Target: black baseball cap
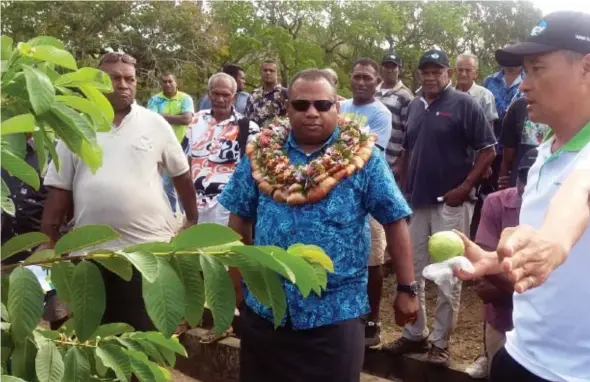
<point>564,30</point>
<point>525,164</point>
<point>392,57</point>
<point>434,56</point>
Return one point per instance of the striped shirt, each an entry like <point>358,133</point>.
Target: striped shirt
<point>397,101</point>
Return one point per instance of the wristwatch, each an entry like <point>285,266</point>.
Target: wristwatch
<point>411,289</point>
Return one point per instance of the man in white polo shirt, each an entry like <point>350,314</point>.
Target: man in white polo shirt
<point>548,257</point>
<point>126,192</point>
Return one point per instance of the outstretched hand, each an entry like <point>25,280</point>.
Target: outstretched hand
<point>484,262</point>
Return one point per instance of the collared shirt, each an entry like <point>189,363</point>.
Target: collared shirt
<point>265,106</point>
<point>520,133</point>
<point>503,93</point>
<point>242,99</point>
<point>485,100</point>
<point>338,224</point>
<point>550,336</point>
<point>214,152</point>
<point>500,210</point>
<point>177,105</point>
<point>126,191</point>
<point>374,114</point>
<point>441,138</point>
<point>397,101</point>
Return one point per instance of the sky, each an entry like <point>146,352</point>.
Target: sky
<point>548,6</point>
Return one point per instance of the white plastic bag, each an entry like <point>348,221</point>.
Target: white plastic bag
<point>442,273</point>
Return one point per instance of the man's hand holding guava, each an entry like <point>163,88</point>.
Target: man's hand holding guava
<point>484,262</point>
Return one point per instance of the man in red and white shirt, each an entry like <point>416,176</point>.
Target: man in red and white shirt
<point>217,140</point>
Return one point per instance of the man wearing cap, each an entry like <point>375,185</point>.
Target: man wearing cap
<point>396,97</point>
<point>445,127</point>
<point>547,257</point>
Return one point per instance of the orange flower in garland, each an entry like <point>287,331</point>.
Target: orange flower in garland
<point>300,184</point>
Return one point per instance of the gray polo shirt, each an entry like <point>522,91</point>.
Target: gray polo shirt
<point>441,138</point>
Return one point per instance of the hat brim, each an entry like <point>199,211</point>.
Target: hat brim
<point>433,62</point>
<point>391,61</point>
<point>514,55</point>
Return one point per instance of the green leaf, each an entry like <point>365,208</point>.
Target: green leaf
<point>10,378</point>
<point>158,339</point>
<point>312,253</point>
<point>118,265</point>
<point>99,100</point>
<point>219,293</point>
<point>7,203</point>
<point>4,312</point>
<point>23,123</point>
<point>82,104</point>
<point>40,255</point>
<point>321,275</point>
<point>46,40</point>
<point>156,247</point>
<point>48,68</point>
<point>143,368</point>
<point>306,279</point>
<point>85,237</point>
<point>145,262</point>
<point>39,139</point>
<point>61,278</point>
<point>86,77</point>
<point>22,360</point>
<point>188,268</point>
<point>5,50</point>
<point>88,300</point>
<point>77,367</point>
<point>263,258</point>
<point>25,303</point>
<point>164,299</point>
<point>277,296</point>
<point>112,329</point>
<point>19,168</point>
<point>22,243</point>
<point>49,145</point>
<point>5,287</point>
<point>129,343</point>
<point>204,235</point>
<point>54,55</point>
<point>254,280</point>
<point>40,88</point>
<point>113,357</point>
<point>49,364</point>
<point>217,249</point>
<point>152,351</point>
<point>76,132</point>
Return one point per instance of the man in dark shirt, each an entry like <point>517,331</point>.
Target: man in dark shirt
<point>519,135</point>
<point>445,127</point>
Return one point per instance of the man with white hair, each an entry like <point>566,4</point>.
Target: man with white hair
<point>217,140</point>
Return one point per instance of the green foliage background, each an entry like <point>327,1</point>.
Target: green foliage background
<point>195,38</point>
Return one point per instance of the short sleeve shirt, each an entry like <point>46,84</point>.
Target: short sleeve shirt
<point>375,115</point>
<point>265,106</point>
<point>486,101</point>
<point>179,104</point>
<point>126,191</point>
<point>441,138</point>
<point>338,224</point>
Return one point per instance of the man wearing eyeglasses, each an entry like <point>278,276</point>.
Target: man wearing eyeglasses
<point>445,127</point>
<point>126,192</point>
<point>321,338</point>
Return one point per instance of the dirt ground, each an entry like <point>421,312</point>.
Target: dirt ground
<point>467,339</point>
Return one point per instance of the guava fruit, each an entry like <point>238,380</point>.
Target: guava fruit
<point>445,245</point>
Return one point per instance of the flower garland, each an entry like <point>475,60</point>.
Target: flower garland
<point>301,184</point>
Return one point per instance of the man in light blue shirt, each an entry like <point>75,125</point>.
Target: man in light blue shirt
<point>242,97</point>
<point>365,107</point>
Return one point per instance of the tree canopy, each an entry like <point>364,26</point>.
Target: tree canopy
<point>194,39</point>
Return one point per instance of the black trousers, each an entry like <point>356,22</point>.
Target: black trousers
<point>506,369</point>
<point>332,353</point>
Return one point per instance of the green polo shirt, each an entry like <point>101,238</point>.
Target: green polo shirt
<point>177,105</point>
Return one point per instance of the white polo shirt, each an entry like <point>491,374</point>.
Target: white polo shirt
<point>126,192</point>
<point>551,335</point>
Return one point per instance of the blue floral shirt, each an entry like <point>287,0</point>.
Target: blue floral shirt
<point>503,93</point>
<point>338,224</point>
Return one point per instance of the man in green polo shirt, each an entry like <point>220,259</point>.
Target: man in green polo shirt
<point>177,108</point>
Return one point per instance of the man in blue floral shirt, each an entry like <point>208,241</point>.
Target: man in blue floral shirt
<point>322,337</point>
<point>269,100</point>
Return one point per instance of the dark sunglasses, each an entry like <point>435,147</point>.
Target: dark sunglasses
<point>320,105</point>
<point>112,57</point>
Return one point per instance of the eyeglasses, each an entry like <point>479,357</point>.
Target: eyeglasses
<point>112,57</point>
<point>319,105</point>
